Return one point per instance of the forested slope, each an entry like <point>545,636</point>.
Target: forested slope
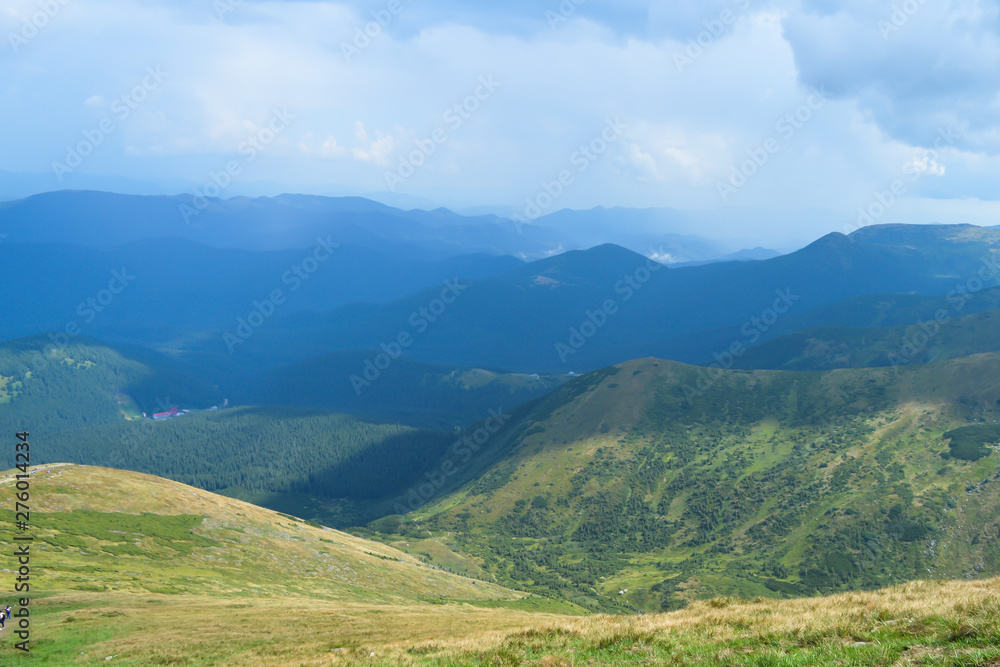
<point>675,484</point>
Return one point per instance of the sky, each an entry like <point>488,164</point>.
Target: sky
<point>815,114</point>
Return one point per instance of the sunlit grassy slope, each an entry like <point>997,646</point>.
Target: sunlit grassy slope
<point>130,569</point>
<point>111,548</point>
<point>920,623</point>
<point>101,529</point>
<point>651,484</point>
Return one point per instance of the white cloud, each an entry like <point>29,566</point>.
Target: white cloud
<point>661,257</point>
<point>376,150</point>
<point>642,164</point>
<point>924,164</point>
<point>686,129</point>
<point>331,149</point>
<point>674,154</point>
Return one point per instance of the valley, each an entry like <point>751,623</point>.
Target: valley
<point>835,438</point>
<point>529,334</point>
<point>631,489</point>
<point>141,570</point>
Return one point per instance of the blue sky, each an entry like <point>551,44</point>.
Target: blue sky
<point>811,110</point>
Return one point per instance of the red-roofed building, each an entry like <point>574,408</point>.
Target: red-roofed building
<point>167,415</point>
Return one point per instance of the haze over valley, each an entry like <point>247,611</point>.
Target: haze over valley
<point>591,333</point>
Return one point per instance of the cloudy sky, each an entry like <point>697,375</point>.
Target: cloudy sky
<point>812,110</point>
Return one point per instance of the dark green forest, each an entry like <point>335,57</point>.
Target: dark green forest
<point>47,388</point>
<point>243,451</point>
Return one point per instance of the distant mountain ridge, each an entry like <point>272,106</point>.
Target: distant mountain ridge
<point>575,311</point>
<point>100,219</point>
<point>181,287</point>
<point>930,340</point>
<point>525,319</point>
<point>103,219</point>
<point>873,311</point>
<point>747,255</point>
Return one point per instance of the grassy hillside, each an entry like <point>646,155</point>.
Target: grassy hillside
<point>141,571</point>
<point>133,565</point>
<point>920,623</point>
<point>636,487</point>
<point>103,529</point>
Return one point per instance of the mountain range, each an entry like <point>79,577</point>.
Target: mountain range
<point>582,310</point>
<point>102,219</point>
<point>609,430</point>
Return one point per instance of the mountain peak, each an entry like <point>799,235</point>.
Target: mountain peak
<point>598,264</point>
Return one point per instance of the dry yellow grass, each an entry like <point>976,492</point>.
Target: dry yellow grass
<point>256,550</point>
<point>945,610</point>
<point>261,632</point>
<point>144,630</point>
<point>410,614</point>
<point>845,614</point>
